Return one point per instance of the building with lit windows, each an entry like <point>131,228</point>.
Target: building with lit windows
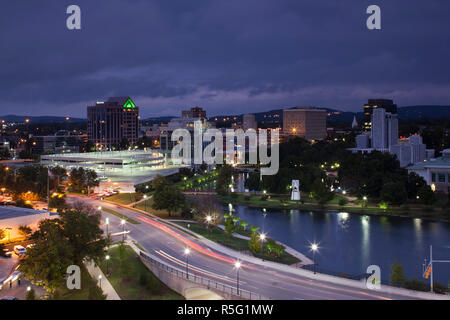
<point>306,122</point>
<point>110,122</point>
<point>436,172</point>
<point>373,104</point>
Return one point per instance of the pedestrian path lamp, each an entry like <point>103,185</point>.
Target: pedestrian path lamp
<point>208,221</point>
<point>237,265</point>
<point>187,251</point>
<point>107,264</point>
<point>314,248</point>
<point>145,202</point>
<point>123,229</point>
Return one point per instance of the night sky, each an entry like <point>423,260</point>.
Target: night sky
<point>228,56</point>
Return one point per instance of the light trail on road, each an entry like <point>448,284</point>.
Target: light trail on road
<point>188,242</point>
<point>194,268</point>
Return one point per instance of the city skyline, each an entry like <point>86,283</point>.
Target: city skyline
<point>222,56</point>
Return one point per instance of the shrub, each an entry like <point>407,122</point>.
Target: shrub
<point>343,201</point>
<point>263,198</point>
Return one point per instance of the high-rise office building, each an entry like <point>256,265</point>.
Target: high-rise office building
<point>195,112</point>
<point>373,104</point>
<point>110,122</point>
<point>384,132</point>
<point>305,122</point>
<point>249,122</point>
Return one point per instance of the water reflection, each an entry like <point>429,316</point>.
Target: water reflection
<point>349,242</point>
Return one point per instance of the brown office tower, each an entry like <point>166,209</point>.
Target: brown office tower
<point>113,121</point>
<point>386,104</point>
<point>306,122</point>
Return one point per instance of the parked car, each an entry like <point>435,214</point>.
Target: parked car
<point>19,250</point>
<point>9,298</point>
<point>6,253</point>
<point>31,245</point>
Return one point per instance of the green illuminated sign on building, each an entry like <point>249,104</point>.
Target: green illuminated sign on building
<point>129,104</point>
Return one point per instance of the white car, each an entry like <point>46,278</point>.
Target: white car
<point>19,250</point>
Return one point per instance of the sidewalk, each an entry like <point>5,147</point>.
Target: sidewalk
<point>104,284</point>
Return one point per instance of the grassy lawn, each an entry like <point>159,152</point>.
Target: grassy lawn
<point>132,280</point>
<point>121,216</point>
<point>125,198</point>
<point>81,294</point>
<point>218,235</point>
<point>147,207</point>
<point>283,202</point>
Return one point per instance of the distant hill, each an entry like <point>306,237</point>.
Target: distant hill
<point>404,113</point>
<point>40,119</point>
<point>424,112</point>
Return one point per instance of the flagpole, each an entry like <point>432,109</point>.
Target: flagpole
<point>431,264</point>
<point>48,189</point>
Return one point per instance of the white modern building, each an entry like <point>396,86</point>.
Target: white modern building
<point>384,132</point>
<point>436,172</point>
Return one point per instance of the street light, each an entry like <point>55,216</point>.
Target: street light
<point>186,252</point>
<point>237,265</point>
<point>107,268</point>
<point>208,220</point>
<point>28,288</point>
<point>123,229</point>
<point>145,202</point>
<point>107,226</point>
<point>314,248</point>
<point>100,279</point>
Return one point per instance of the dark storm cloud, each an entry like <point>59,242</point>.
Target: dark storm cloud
<point>227,56</point>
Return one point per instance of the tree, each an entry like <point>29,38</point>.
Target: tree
<point>343,201</point>
<point>31,295</point>
<point>394,193</point>
<point>25,231</point>
<point>426,195</point>
<point>397,277</point>
<point>230,227</point>
<point>224,179</point>
<point>168,197</point>
<point>96,293</point>
<point>58,201</point>
<point>253,183</point>
<point>206,207</point>
<point>81,226</point>
<point>321,193</point>
<point>124,144</point>
<point>61,242</point>
<point>48,260</point>
<point>255,243</point>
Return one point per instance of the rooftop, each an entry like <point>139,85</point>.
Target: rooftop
<point>443,161</point>
<point>15,212</point>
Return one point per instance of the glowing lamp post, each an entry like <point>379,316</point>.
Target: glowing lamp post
<point>123,229</point>
<point>107,260</point>
<point>145,202</point>
<point>187,251</point>
<point>237,265</point>
<point>314,248</point>
<point>208,221</point>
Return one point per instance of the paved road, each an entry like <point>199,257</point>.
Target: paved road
<point>169,244</point>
